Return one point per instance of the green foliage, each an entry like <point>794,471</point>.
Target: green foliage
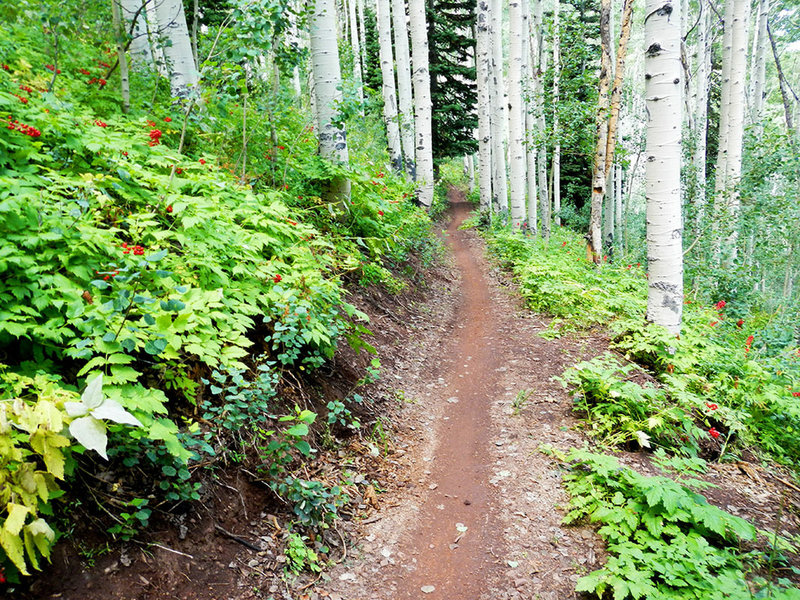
<point>162,271</point>
<point>728,383</point>
<point>299,556</point>
<point>664,540</point>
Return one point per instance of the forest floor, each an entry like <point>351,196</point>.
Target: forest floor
<point>467,507</point>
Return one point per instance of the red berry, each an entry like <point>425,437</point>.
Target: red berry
<point>277,278</point>
<point>169,208</point>
<point>202,161</point>
<point>713,433</point>
<point>168,119</point>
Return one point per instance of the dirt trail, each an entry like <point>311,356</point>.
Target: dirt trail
<point>479,517</point>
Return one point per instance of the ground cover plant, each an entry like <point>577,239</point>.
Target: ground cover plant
<point>724,387</point>
<point>153,294</point>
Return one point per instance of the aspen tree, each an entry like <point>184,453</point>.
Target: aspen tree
<point>134,14</point>
<point>735,131</point>
<point>404,94</point>
<point>515,122</point>
<point>601,131</point>
<point>483,67</point>
<point>538,67</point>
<point>530,120</point>
<point>759,71</point>
<point>499,120</point>
<point>355,45</point>
<point>327,77</point>
<point>178,52</point>
<point>388,87</point>
<point>701,111</point>
<point>663,90</point>
<point>556,124</point>
<point>422,100</point>
<point>120,35</point>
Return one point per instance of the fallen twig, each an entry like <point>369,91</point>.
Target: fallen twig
<point>236,538</point>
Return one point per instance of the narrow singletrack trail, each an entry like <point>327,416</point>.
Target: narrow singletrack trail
<point>478,517</point>
<point>444,550</point>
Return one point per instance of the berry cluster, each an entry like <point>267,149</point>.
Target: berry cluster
<point>22,99</point>
<point>98,80</point>
<point>23,128</point>
<point>155,137</point>
<point>100,123</point>
<point>137,250</point>
<point>52,68</point>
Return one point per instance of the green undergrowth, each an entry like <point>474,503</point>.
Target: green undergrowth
<point>721,389</point>
<point>192,284</point>
<point>664,540</point>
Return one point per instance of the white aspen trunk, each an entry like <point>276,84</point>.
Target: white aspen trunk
<point>515,122</point>
<point>663,90</point>
<point>530,120</point>
<point>701,112</point>
<point>404,94</point>
<point>735,137</point>
<point>134,13</point>
<point>483,68</point>
<point>180,60</point>
<point>296,42</point>
<point>362,33</point>
<point>538,67</point>
<point>601,131</point>
<point>724,111</point>
<point>422,100</point>
<point>759,71</point>
<point>154,38</point>
<point>556,125</point>
<point>358,76</point>
<point>327,76</point>
<point>120,36</point>
<point>499,120</point>
<point>469,163</point>
<point>388,87</point>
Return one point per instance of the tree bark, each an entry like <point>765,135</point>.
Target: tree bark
<point>663,72</point>
<point>135,13</point>
<point>538,67</point>
<point>601,131</point>
<point>515,122</point>
<point>530,119</point>
<point>556,124</point>
<point>355,45</point>
<point>422,101</point>
<point>499,118</point>
<point>483,67</point>
<point>406,107</point>
<point>388,88</point>
<point>119,36</point>
<point>784,85</point>
<point>701,112</point>
<point>327,76</point>
<point>183,74</point>
<point>759,71</point>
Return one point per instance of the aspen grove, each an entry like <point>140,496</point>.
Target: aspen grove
<point>209,209</point>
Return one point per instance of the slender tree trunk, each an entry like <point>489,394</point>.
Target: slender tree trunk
<point>119,35</point>
<point>134,12</point>
<point>701,112</point>
<point>664,107</point>
<point>538,67</point>
<point>154,37</point>
<point>362,32</point>
<point>180,61</point>
<point>499,119</point>
<point>601,131</point>
<point>355,45</point>
<point>722,135</point>
<point>556,124</point>
<point>618,216</point>
<point>327,76</point>
<point>784,85</point>
<point>388,87</point>
<point>530,119</point>
<point>483,67</point>
<point>759,73</point>
<point>515,122</point>
<point>422,100</point>
<point>406,106</point>
<point>195,27</point>
<point>735,137</point>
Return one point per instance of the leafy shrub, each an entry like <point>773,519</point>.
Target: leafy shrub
<point>665,540</point>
